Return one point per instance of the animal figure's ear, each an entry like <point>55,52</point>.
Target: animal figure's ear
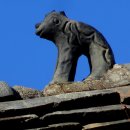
<point>62,13</point>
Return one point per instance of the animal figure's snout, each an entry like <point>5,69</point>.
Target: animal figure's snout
<point>37,25</point>
<point>38,30</point>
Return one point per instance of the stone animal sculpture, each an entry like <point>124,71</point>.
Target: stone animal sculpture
<point>74,39</point>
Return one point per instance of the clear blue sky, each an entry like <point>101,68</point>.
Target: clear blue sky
<point>27,60</point>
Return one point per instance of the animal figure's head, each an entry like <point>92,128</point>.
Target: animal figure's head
<point>53,24</point>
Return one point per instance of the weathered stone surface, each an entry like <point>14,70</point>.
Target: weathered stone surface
<point>17,122</point>
<point>114,125</point>
<point>89,115</point>
<point>7,93</point>
<point>124,94</point>
<point>117,77</point>
<point>27,93</point>
<point>127,66</point>
<point>25,118</point>
<point>55,89</point>
<point>20,118</point>
<point>62,126</point>
<point>5,90</point>
<point>69,111</point>
<point>62,102</point>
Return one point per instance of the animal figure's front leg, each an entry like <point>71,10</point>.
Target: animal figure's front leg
<point>66,65</point>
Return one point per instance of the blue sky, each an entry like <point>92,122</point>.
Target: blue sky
<point>27,60</point>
